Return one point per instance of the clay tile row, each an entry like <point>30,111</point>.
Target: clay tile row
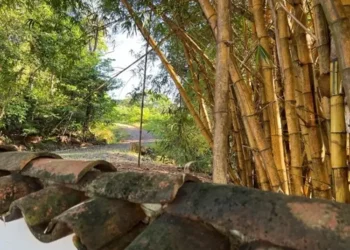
<point>58,197</point>
<point>109,210</point>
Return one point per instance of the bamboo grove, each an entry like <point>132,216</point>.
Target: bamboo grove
<point>269,83</point>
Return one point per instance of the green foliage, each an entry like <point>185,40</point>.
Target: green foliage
<point>181,140</point>
<point>53,79</point>
<point>52,76</point>
<point>128,111</point>
<point>104,132</point>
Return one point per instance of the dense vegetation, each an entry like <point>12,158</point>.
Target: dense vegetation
<point>262,83</point>
<point>53,79</point>
<point>178,137</point>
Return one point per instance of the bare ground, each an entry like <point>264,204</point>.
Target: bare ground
<point>119,154</point>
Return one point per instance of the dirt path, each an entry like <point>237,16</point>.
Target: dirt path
<point>100,151</point>
<point>134,133</point>
<point>119,154</point>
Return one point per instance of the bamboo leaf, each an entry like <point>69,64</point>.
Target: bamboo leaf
<point>262,54</point>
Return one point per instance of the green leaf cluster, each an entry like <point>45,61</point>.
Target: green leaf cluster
<point>53,78</point>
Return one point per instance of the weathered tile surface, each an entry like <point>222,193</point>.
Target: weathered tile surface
<point>16,161</point>
<point>139,187</point>
<point>64,171</point>
<point>175,233</point>
<point>109,210</point>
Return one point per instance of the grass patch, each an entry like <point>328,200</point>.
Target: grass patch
<point>119,133</point>
<point>111,133</point>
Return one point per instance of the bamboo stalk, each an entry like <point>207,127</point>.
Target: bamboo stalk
<point>338,138</point>
<point>323,47</point>
<point>184,37</point>
<point>206,134</point>
<point>208,81</point>
<point>210,14</point>
<point>297,21</point>
<point>262,178</point>
<point>290,101</point>
<point>191,45</point>
<point>196,85</point>
<point>321,185</point>
<point>243,94</point>
<point>323,50</point>
<point>301,113</point>
<point>325,129</point>
<point>338,20</point>
<point>237,135</point>
<point>220,149</point>
<point>273,113</point>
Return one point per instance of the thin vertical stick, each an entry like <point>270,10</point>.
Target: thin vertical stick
<point>143,102</point>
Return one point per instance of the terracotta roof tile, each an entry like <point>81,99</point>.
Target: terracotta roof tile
<point>290,221</point>
<point>16,161</point>
<point>124,241</point>
<point>41,207</point>
<point>108,210</point>
<point>13,187</point>
<point>63,171</point>
<point>170,232</point>
<point>139,187</point>
<point>100,220</point>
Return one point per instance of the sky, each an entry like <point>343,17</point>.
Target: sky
<point>16,235</point>
<point>120,51</point>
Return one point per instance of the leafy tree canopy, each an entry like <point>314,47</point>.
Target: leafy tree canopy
<point>52,75</point>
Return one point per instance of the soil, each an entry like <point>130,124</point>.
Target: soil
<point>119,154</point>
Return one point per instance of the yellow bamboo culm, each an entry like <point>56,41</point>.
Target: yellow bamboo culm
<point>272,119</point>
<point>290,101</point>
<point>243,93</point>
<point>338,138</point>
<point>320,178</point>
<point>198,92</point>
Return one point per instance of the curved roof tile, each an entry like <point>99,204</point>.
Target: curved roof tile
<point>40,207</point>
<point>64,171</point>
<point>109,210</point>
<point>13,187</point>
<point>139,187</point>
<point>170,232</point>
<point>16,161</point>
<point>100,220</point>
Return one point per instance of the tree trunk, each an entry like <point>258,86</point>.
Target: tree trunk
<point>220,149</point>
